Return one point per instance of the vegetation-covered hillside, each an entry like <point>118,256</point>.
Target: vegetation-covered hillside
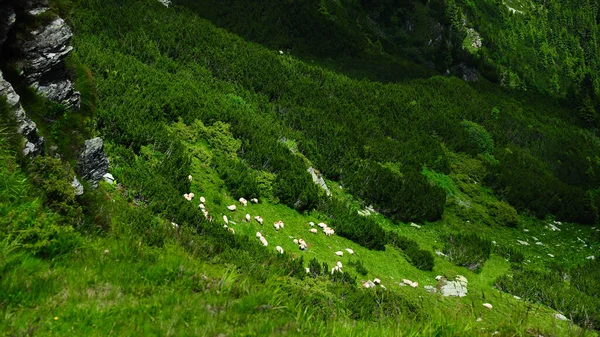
<point>427,175</point>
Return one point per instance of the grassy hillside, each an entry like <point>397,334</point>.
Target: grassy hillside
<point>458,173</point>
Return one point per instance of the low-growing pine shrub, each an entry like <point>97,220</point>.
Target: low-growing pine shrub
<point>467,250</point>
<point>422,259</point>
<point>359,267</point>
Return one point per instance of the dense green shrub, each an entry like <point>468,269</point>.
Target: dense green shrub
<point>467,250</point>
<point>511,254</point>
<point>347,223</point>
<point>480,138</point>
<point>379,304</point>
<point>550,288</point>
<point>359,267</point>
<point>420,258</point>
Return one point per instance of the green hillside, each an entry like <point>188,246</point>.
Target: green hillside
<point>428,175</point>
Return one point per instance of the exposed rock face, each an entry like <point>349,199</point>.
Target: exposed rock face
<point>475,38</point>
<point>7,21</point>
<point>77,186</point>
<point>93,162</point>
<point>468,74</point>
<point>26,127</point>
<point>44,52</point>
<point>318,179</point>
<point>457,288</point>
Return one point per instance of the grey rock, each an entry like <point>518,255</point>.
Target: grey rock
<point>560,317</point>
<point>475,38</point>
<point>456,288</point>
<point>44,52</point>
<point>109,178</point>
<point>93,162</point>
<point>7,21</point>
<point>318,179</point>
<point>34,144</point>
<point>468,74</point>
<point>430,289</point>
<point>77,186</point>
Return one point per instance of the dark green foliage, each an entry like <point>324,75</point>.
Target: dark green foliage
<point>550,288</point>
<point>467,250</point>
<point>481,140</point>
<point>241,181</point>
<point>511,254</point>
<point>359,266</point>
<point>528,185</point>
<point>420,258</point>
<point>406,196</point>
<point>54,178</point>
<point>585,277</point>
<point>347,223</point>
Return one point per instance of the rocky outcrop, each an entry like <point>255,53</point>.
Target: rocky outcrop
<point>318,179</point>
<point>8,18</point>
<point>34,144</point>
<point>43,51</point>
<point>457,288</point>
<point>93,162</point>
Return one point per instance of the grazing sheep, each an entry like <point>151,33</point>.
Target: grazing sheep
<point>205,212</point>
<point>307,270</point>
<point>231,230</point>
<point>487,305</point>
<point>191,195</point>
<point>190,178</point>
<point>276,225</point>
<point>279,249</point>
<point>258,219</point>
<point>322,225</point>
<point>201,206</point>
<point>258,235</point>
<point>225,219</point>
<point>247,217</point>
<point>339,264</point>
<point>176,226</point>
<point>300,241</point>
<point>243,201</point>
<point>264,241</point>
<point>329,231</point>
<point>295,241</point>
<point>414,284</point>
<point>377,281</point>
<point>408,282</point>
<point>188,197</point>
<point>302,246</point>
<point>203,200</point>
<point>313,230</point>
<point>339,253</point>
<point>311,224</point>
<point>254,200</point>
<point>350,251</point>
<point>231,207</point>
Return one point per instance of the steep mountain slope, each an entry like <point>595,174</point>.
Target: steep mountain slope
<point>178,97</point>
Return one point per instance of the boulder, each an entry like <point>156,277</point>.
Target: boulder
<point>318,179</point>
<point>34,144</point>
<point>93,162</point>
<point>77,186</point>
<point>109,178</point>
<point>456,288</point>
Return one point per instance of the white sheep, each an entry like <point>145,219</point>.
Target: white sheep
<point>201,206</point>
<point>231,207</point>
<point>487,305</point>
<point>190,178</point>
<point>188,197</point>
<point>311,224</point>
<point>377,281</point>
<point>254,200</point>
<point>339,253</point>
<point>329,231</point>
<point>313,230</point>
<point>258,219</point>
<point>243,201</point>
<point>203,200</point>
<point>295,241</point>
<point>368,284</point>
<point>247,217</point>
<point>258,235</point>
<point>350,251</point>
<point>300,241</point>
<point>307,271</point>
<point>205,212</point>
<point>339,264</point>
<point>322,225</point>
<point>231,230</point>
<point>276,225</point>
<point>414,284</point>
<point>176,226</point>
<point>264,241</point>
<point>225,219</point>
<point>279,249</point>
<point>302,246</point>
